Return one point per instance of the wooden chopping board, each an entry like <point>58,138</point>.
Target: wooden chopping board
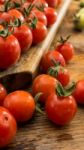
<point>39,133</point>
<point>22,73</point>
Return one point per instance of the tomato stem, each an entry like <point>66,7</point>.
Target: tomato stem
<point>41,7</point>
<point>38,109</point>
<point>62,40</point>
<point>28,10</point>
<point>8,5</point>
<point>64,92</point>
<point>33,23</point>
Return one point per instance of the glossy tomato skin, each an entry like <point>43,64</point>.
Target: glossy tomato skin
<point>39,15</point>
<point>4,16</point>
<point>24,36</point>
<point>63,76</point>
<point>8,127</point>
<point>9,51</point>
<point>66,50</point>
<point>47,58</point>
<point>2,1</point>
<point>14,13</point>
<point>79,92</point>
<point>3,94</point>
<point>21,105</point>
<point>51,15</point>
<point>44,84</point>
<point>52,3</point>
<point>40,3</point>
<point>39,33</point>
<point>60,110</point>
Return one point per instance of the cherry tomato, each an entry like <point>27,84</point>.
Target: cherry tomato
<point>9,51</point>
<point>5,16</point>
<point>79,92</point>
<point>63,76</point>
<point>24,36</point>
<point>3,94</point>
<point>67,50</point>
<point>45,84</point>
<point>60,110</point>
<point>47,60</point>
<point>53,3</point>
<point>21,104</point>
<point>8,127</point>
<point>39,15</point>
<point>14,13</point>
<point>11,15</point>
<point>39,32</point>
<point>60,73</point>
<point>51,15</point>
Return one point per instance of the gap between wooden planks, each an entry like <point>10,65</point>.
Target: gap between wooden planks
<point>22,73</point>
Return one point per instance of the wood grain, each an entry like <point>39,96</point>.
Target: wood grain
<point>39,133</point>
<point>28,64</point>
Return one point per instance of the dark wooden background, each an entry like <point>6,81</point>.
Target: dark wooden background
<point>39,133</point>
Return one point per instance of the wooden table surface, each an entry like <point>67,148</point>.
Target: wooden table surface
<point>39,133</point>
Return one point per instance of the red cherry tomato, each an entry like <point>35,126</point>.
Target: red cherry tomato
<point>8,127</point>
<point>24,36</point>
<point>47,60</point>
<point>60,110</point>
<point>44,84</point>
<point>21,104</point>
<point>67,50</point>
<point>63,76</point>
<point>3,94</point>
<point>4,16</point>
<point>52,3</point>
<point>51,15</point>
<point>14,13</point>
<point>79,92</point>
<point>11,15</point>
<point>39,15</point>
<point>9,51</point>
<point>39,32</point>
<point>60,73</point>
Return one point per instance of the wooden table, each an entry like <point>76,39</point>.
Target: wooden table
<point>39,133</point>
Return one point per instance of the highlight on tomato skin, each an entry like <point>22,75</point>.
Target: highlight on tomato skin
<point>48,60</point>
<point>60,110</point>
<point>11,51</point>
<point>21,104</point>
<point>65,48</point>
<point>3,94</point>
<point>79,92</point>
<point>8,127</point>
<point>24,35</point>
<point>45,84</point>
<point>39,33</point>
<point>51,15</point>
